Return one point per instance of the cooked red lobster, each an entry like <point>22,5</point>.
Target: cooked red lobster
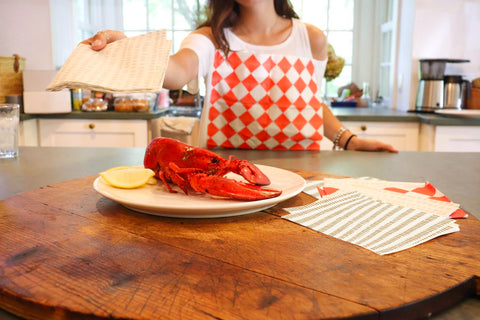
<point>203,171</point>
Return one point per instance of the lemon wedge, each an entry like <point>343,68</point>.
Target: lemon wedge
<point>127,178</point>
<point>152,181</point>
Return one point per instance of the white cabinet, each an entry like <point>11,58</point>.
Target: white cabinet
<point>402,135</point>
<point>93,133</point>
<point>449,138</point>
<point>28,133</point>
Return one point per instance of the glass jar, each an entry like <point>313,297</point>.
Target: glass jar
<point>134,102</point>
<point>122,104</point>
<point>95,104</point>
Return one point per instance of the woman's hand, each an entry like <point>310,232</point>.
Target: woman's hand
<point>359,144</point>
<point>102,38</point>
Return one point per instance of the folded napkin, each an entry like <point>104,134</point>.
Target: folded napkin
<point>135,64</point>
<point>378,226</point>
<point>420,196</point>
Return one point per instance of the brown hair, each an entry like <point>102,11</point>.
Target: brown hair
<point>223,14</point>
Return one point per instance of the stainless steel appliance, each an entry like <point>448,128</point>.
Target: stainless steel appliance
<point>457,92</point>
<point>429,95</point>
<point>431,86</point>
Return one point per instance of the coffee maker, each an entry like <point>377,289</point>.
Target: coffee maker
<point>431,86</point>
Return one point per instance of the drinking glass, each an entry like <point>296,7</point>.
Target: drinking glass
<point>9,121</point>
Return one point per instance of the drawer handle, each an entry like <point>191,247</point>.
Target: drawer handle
<point>363,127</point>
<point>91,126</point>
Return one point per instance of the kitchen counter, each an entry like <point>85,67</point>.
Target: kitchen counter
<point>455,174</point>
<point>111,115</point>
<point>389,115</point>
<point>374,114</point>
<point>444,120</point>
<point>343,114</point>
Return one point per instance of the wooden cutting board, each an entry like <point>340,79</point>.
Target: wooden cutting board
<point>68,252</point>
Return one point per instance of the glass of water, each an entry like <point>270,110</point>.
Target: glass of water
<point>9,121</point>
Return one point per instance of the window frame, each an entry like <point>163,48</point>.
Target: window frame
<point>171,31</point>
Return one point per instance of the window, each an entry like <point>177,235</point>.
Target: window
<point>91,16</point>
<point>336,19</point>
<point>134,17</point>
<point>178,17</point>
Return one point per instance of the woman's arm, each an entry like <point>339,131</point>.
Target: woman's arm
<point>182,68</point>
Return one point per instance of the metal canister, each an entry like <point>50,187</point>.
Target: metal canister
<point>77,99</point>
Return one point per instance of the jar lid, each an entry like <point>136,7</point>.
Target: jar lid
<point>137,95</point>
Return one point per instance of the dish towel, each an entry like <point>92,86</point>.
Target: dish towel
<point>183,125</point>
<point>372,224</point>
<point>135,64</point>
<point>381,216</point>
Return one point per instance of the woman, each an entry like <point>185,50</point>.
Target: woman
<point>263,69</point>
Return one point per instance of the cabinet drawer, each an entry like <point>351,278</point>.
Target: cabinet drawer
<point>453,138</point>
<point>28,133</point>
<point>93,133</point>
<point>401,135</point>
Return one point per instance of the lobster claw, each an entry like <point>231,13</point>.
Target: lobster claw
<point>250,172</point>
<point>224,187</point>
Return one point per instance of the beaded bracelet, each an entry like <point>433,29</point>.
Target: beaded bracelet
<point>337,137</point>
<point>348,140</point>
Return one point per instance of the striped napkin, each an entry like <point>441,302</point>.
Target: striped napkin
<point>372,224</point>
<point>374,214</point>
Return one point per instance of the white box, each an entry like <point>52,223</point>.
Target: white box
<point>35,97</point>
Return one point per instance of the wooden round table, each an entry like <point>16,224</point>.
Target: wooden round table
<point>68,252</point>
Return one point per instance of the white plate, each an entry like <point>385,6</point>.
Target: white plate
<point>156,200</point>
<point>471,113</point>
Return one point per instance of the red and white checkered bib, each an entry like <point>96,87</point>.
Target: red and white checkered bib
<point>264,102</point>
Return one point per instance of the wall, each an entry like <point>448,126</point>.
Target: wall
<point>26,31</point>
<point>446,29</point>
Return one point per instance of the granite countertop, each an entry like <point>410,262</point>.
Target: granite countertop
<point>390,115</point>
<point>374,114</point>
<point>113,115</point>
<point>343,114</point>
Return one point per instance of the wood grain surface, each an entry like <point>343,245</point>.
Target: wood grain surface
<point>66,252</point>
